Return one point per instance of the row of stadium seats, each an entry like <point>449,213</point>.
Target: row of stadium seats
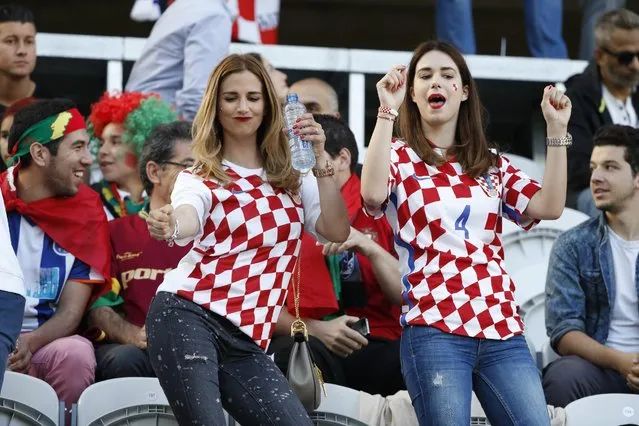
<point>26,401</point>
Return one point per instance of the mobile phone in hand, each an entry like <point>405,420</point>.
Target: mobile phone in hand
<point>361,326</point>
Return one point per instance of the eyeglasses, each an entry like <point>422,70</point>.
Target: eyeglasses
<point>184,165</point>
<point>624,58</point>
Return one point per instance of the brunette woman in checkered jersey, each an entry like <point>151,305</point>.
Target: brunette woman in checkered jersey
<point>244,207</point>
<point>445,195</point>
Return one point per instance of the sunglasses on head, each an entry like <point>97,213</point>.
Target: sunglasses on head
<point>624,58</point>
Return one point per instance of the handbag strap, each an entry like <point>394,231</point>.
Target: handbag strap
<point>297,326</point>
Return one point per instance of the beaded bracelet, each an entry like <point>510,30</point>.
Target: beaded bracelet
<point>383,109</point>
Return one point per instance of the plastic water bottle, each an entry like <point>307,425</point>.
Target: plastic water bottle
<point>302,151</point>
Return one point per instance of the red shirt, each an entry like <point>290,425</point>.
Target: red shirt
<point>383,316</point>
<point>139,263</point>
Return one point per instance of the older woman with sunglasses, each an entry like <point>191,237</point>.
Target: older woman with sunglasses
<point>603,94</point>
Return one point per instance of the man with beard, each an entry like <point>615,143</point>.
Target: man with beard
<point>592,314</point>
<point>603,94</point>
<point>60,236</point>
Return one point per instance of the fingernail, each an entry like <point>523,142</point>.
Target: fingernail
<point>298,120</point>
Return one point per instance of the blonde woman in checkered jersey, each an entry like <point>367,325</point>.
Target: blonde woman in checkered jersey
<point>445,195</point>
<point>244,207</point>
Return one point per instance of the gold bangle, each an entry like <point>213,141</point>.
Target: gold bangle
<point>325,172</point>
<point>386,117</point>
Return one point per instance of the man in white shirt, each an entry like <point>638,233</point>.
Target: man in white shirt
<point>592,288</point>
<point>184,47</point>
<point>11,293</point>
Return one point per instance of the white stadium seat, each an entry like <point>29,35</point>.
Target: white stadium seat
<point>340,406</point>
<point>548,354</point>
<point>604,410</point>
<point>131,401</point>
<point>27,401</point>
<point>527,252</point>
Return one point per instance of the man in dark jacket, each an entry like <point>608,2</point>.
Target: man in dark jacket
<point>603,94</point>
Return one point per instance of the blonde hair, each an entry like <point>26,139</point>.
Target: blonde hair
<point>272,142</point>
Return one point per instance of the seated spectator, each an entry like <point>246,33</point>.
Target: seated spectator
<point>17,55</point>
<point>338,290</point>
<point>591,308</point>
<point>278,77</point>
<point>318,96</point>
<point>139,261</point>
<point>60,237</point>
<point>185,45</point>
<point>121,123</point>
<point>5,127</point>
<point>603,94</point>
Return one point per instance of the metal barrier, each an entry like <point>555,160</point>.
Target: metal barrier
<point>356,62</point>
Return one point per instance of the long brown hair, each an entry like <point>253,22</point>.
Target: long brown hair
<point>208,135</point>
<point>471,147</point>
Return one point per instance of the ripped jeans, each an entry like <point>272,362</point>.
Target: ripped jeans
<point>205,363</point>
<point>440,370</point>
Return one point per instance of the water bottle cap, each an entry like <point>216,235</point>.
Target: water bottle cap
<point>291,97</point>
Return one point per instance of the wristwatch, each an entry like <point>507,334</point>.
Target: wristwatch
<point>326,171</point>
<point>565,141</point>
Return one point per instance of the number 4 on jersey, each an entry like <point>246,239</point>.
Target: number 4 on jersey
<point>460,223</point>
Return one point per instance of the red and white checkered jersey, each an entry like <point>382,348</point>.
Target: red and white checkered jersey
<point>243,259</point>
<point>447,227</point>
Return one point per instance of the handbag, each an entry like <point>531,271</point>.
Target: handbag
<point>303,375</point>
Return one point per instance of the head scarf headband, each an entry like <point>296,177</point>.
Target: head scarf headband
<point>48,130</point>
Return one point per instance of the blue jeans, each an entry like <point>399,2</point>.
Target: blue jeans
<point>441,369</point>
<point>11,314</point>
<point>543,21</point>
<point>205,363</point>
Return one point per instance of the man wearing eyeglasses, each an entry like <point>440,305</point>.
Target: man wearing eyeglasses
<point>605,93</point>
<point>138,261</point>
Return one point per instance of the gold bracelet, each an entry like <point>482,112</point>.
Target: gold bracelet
<point>386,117</point>
<point>325,172</point>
